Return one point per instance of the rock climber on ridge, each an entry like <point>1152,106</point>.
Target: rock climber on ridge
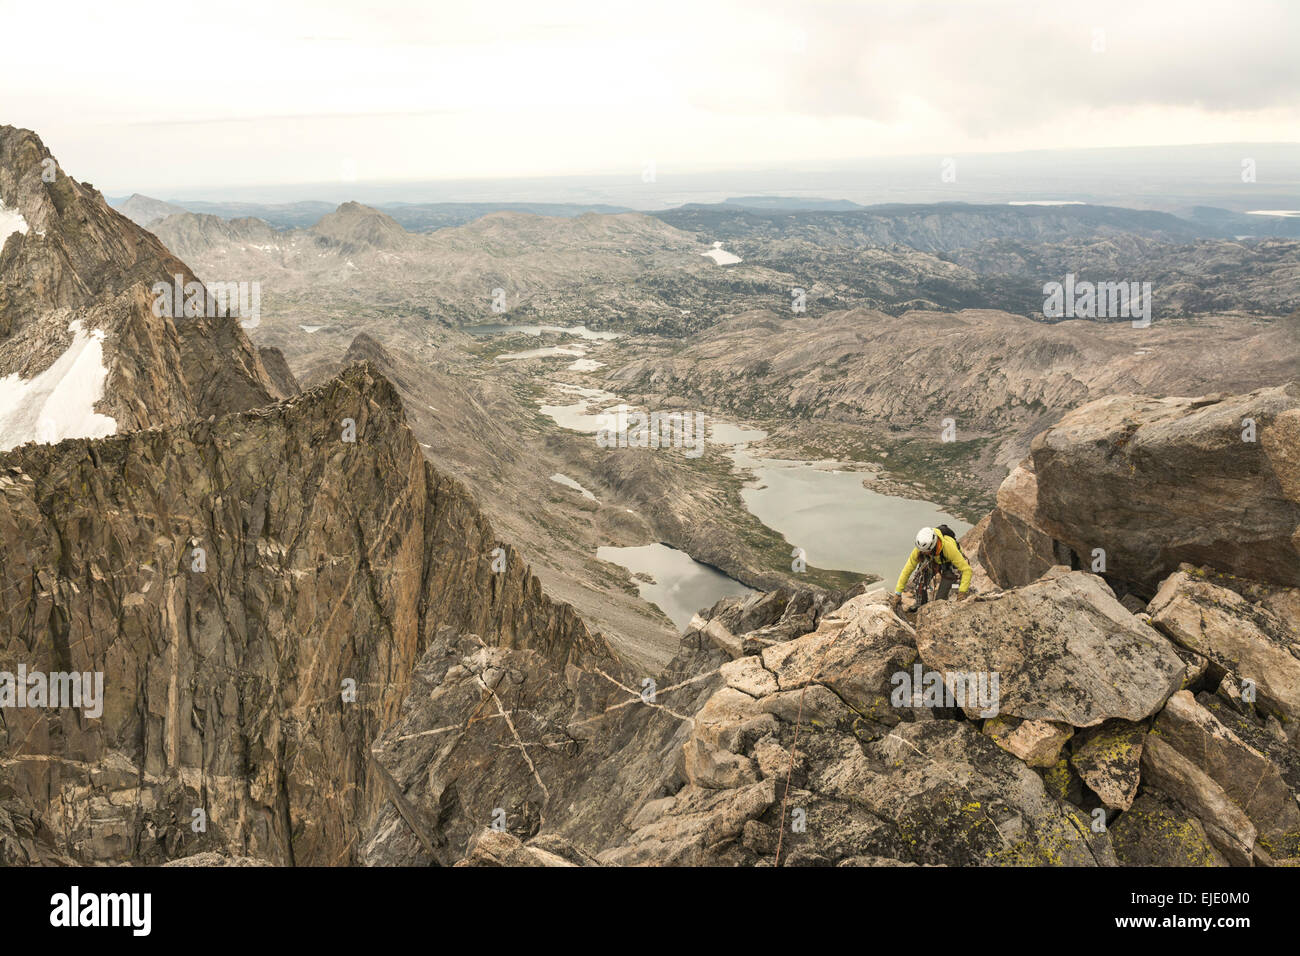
<point>939,547</point>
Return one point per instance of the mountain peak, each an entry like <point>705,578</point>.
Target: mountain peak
<point>145,210</point>
<point>82,276</point>
<point>356,227</point>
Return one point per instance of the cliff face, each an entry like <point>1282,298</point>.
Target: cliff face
<point>80,261</point>
<point>235,582</point>
<point>252,582</point>
<point>1154,483</point>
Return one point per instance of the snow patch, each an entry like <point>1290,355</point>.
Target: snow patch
<point>550,352</point>
<point>60,402</point>
<point>11,221</point>
<point>721,256</point>
<point>570,483</point>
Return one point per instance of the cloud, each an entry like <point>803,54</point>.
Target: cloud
<point>986,65</point>
<point>287,90</point>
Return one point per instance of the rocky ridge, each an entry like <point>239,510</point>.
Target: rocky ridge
<point>1146,484</point>
<point>230,579</point>
<point>80,261</point>
<point>796,729</point>
<point>253,581</point>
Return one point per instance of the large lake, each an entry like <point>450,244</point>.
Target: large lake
<point>822,507</point>
<point>838,523</point>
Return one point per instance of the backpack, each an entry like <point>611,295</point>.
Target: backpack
<point>949,533</point>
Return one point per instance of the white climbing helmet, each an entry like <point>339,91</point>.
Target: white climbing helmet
<point>926,539</point>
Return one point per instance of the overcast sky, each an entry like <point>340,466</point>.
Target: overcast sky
<point>155,94</point>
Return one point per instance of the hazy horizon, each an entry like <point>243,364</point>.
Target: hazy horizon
<point>1167,178</point>
<point>262,94</point>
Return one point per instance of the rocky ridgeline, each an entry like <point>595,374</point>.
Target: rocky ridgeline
<point>1147,484</point>
<point>253,581</point>
<point>801,729</point>
<point>324,562</point>
<point>81,261</point>
<point>1112,744</point>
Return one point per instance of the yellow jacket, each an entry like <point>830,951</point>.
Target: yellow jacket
<point>950,554</point>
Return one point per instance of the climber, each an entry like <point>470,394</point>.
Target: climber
<point>938,545</point>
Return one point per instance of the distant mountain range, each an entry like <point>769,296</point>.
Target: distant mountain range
<point>657,273</point>
<point>931,227</point>
<point>939,227</point>
<point>415,217</point>
<point>1238,177</point>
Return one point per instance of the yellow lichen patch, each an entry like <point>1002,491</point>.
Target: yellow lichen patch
<point>1057,779</point>
<point>1281,845</point>
<point>1183,841</point>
